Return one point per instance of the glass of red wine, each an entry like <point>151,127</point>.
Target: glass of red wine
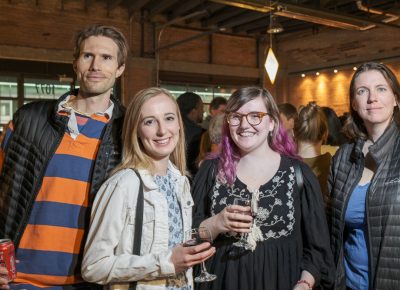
<point>242,242</point>
<point>195,237</point>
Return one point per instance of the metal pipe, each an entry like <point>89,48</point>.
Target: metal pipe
<point>390,16</point>
<point>161,30</point>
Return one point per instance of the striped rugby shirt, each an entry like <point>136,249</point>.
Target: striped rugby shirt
<point>51,247</point>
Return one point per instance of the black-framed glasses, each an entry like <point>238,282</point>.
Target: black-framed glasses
<point>253,118</point>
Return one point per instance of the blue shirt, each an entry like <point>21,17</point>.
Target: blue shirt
<point>166,185</point>
<point>355,245</point>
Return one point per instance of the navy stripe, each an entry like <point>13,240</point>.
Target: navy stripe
<point>58,214</point>
<point>70,167</point>
<point>48,262</point>
<point>93,129</point>
<point>6,137</point>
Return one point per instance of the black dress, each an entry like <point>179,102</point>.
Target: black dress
<point>292,231</point>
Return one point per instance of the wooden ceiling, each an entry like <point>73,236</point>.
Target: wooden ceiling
<point>252,17</point>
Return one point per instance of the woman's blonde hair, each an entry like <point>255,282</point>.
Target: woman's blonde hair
<point>133,153</point>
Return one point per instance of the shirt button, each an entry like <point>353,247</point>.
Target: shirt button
<point>188,203</point>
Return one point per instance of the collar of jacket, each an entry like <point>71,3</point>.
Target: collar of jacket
<point>381,147</point>
<point>118,111</point>
<point>148,177</point>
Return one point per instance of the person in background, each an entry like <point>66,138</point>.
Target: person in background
<point>310,132</point>
<point>215,133</point>
<point>288,114</point>
<point>335,134</point>
<point>217,107</point>
<point>154,145</point>
<point>191,107</point>
<point>365,187</point>
<point>55,157</point>
<point>286,238</point>
<point>343,118</point>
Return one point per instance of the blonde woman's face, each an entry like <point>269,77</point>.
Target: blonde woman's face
<point>158,127</point>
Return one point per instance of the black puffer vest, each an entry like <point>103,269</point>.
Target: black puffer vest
<point>38,131</point>
<point>382,207</point>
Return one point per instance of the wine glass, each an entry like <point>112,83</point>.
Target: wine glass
<point>195,237</point>
<point>242,242</point>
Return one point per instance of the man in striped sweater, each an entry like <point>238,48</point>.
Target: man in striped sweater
<point>53,159</point>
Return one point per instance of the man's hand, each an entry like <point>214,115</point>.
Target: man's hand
<point>3,278</point>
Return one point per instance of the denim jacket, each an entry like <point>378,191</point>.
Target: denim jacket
<point>108,255</point>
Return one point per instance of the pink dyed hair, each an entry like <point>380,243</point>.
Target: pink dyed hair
<point>279,141</point>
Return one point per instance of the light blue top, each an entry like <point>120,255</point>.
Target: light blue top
<point>355,245</point>
<point>166,185</point>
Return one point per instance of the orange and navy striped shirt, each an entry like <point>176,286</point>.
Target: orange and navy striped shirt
<point>51,247</point>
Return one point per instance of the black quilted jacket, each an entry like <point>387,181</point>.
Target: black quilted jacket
<point>382,207</point>
<point>38,131</point>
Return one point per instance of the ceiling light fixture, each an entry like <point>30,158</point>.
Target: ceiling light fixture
<point>271,62</point>
<point>275,26</point>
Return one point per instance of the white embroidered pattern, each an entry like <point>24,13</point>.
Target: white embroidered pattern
<point>273,210</point>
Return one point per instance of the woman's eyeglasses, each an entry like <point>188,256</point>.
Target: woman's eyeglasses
<point>253,118</point>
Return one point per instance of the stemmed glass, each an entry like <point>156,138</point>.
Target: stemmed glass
<point>242,242</point>
<point>195,237</point>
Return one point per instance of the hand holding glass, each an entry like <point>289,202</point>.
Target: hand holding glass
<point>195,237</point>
<point>243,237</point>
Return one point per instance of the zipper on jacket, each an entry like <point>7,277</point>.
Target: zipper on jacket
<point>369,247</point>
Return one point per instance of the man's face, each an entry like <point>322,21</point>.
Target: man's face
<point>287,123</point>
<point>200,111</point>
<point>219,110</point>
<point>97,66</point>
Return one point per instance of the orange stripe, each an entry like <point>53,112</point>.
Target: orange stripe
<point>46,280</point>
<point>82,147</point>
<point>52,238</point>
<point>64,190</point>
<point>100,118</point>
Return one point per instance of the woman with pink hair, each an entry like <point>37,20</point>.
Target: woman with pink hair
<point>279,239</point>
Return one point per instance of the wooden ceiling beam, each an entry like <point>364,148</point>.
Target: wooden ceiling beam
<point>186,7</point>
<point>223,15</point>
<point>161,6</point>
<point>246,17</point>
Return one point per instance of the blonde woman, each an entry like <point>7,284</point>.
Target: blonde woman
<point>154,144</point>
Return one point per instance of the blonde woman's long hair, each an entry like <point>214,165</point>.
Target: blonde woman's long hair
<point>133,152</point>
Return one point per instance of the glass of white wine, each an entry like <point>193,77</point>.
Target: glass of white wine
<point>195,237</point>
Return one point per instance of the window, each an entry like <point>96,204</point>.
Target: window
<point>8,98</point>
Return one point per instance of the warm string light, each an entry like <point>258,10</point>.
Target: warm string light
<point>318,73</point>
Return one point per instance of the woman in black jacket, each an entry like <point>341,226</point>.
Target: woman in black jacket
<point>365,184</point>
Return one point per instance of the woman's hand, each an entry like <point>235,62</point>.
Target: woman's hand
<point>301,287</point>
<point>186,257</point>
<point>3,281</point>
<point>234,218</point>
<point>306,281</point>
